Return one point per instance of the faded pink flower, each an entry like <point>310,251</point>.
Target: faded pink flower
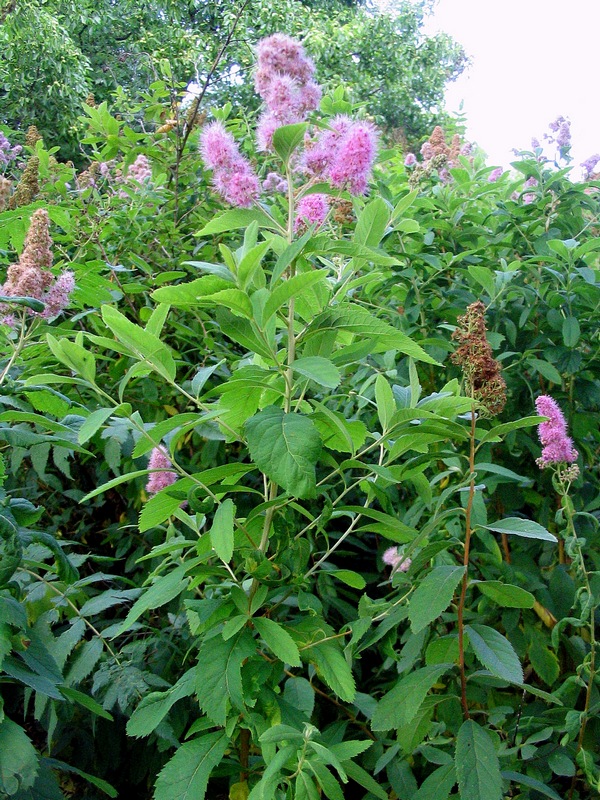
<point>311,210</point>
<point>281,54</point>
<point>164,476</point>
<point>218,147</point>
<point>495,174</point>
<point>57,296</point>
<point>140,170</point>
<point>396,560</point>
<point>410,160</point>
<point>274,183</point>
<point>557,446</point>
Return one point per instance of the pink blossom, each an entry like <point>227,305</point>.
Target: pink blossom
<point>233,176</point>
<point>140,170</point>
<point>164,476</point>
<point>57,296</point>
<point>353,160</point>
<point>274,183</point>
<point>311,210</point>
<point>410,160</point>
<point>396,560</point>
<point>495,174</point>
<point>557,447</point>
<point>281,54</point>
<point>266,127</point>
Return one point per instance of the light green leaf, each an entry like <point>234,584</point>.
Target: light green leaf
<point>288,289</point>
<point>349,577</point>
<point>495,652</point>
<point>318,369</point>
<point>185,776</point>
<point>521,527</point>
<point>158,509</point>
<point>497,432</point>
<point>400,706</point>
<point>506,595</point>
<point>221,532</point>
<point>386,405</point>
<point>477,766</point>
<point>278,640</point>
<point>95,421</point>
<point>433,595</point>
<point>286,448</point>
<point>144,345</point>
<point>484,276</point>
<point>193,292</point>
<point>333,668</point>
<point>372,223</point>
<point>287,138</point>
<point>237,218</point>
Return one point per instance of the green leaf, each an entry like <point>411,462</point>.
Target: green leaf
<point>287,138</point>
<point>547,370</point>
<point>221,532</point>
<point>18,759</point>
<point>156,705</point>
<point>349,577</point>
<point>158,509</point>
<point>477,766</point>
<point>438,785</point>
<point>364,779</point>
<point>142,344</point>
<point>484,276</point>
<point>433,596</point>
<point>521,527</point>
<point>162,591</point>
<point>386,405</point>
<point>506,595</point>
<point>278,640</point>
<point>318,369</point>
<point>400,706</point>
<point>95,421</point>
<point>28,302</point>
<point>185,776</point>
<point>544,662</point>
<point>532,783</point>
<point>237,218</point>
<point>570,331</point>
<point>74,356</point>
<point>496,433</point>
<point>86,701</point>
<point>219,676</point>
<point>333,668</point>
<point>286,448</point>
<point>372,223</point>
<point>495,652</point>
<point>290,288</point>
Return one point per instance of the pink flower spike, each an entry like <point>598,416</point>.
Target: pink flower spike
<point>218,147</point>
<point>160,479</point>
<point>354,158</point>
<point>557,447</point>
<point>311,210</point>
<point>395,559</point>
<point>57,296</point>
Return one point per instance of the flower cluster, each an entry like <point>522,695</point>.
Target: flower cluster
<point>163,474</point>
<point>561,130</point>
<point>342,154</point>
<point>589,166</point>
<point>557,446</point>
<point>140,171</point>
<point>438,156</point>
<point>284,80</point>
<point>529,197</point>
<point>311,210</point>
<point>8,152</point>
<point>233,176</point>
<point>31,276</point>
<point>495,174</point>
<point>395,559</point>
<point>484,382</point>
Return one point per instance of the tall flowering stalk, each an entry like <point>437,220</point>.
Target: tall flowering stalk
<point>559,455</point>
<point>487,389</point>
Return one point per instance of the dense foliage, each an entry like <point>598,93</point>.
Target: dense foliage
<point>271,523</point>
<point>56,53</point>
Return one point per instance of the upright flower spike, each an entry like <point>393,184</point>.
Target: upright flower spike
<point>233,176</point>
<point>311,210</point>
<point>557,446</point>
<point>164,475</point>
<point>354,159</point>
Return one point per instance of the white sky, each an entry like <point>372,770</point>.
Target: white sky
<point>532,60</point>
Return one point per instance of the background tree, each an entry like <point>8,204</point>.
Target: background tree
<point>58,52</point>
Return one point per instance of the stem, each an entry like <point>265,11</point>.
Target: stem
<point>465,580</point>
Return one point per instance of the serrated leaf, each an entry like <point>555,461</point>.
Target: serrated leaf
<point>86,701</point>
<point>156,705</point>
<point>433,596</point>
<point>496,433</point>
<point>506,595</point>
<point>237,218</point>
<point>162,591</point>
<point>278,640</point>
<point>140,342</point>
<point>384,399</point>
<point>219,676</point>
<point>287,138</point>
<point>399,706</point>
<point>185,776</point>
<point>288,289</point>
<point>544,662</point>
<point>286,448</point>
<point>349,577</point>
<point>372,223</point>
<point>333,668</point>
<point>221,532</point>
<point>515,526</point>
<point>18,758</point>
<point>438,785</point>
<point>318,369</point>
<point>495,652</point>
<point>477,766</point>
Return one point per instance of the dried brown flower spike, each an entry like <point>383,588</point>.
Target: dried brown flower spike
<point>484,383</point>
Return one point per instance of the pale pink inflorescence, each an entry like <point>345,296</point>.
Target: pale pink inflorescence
<point>30,276</point>
<point>395,559</point>
<point>164,476</point>
<point>557,446</point>
<point>140,171</point>
<point>311,210</point>
<point>495,174</point>
<point>284,80</point>
<point>233,176</point>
